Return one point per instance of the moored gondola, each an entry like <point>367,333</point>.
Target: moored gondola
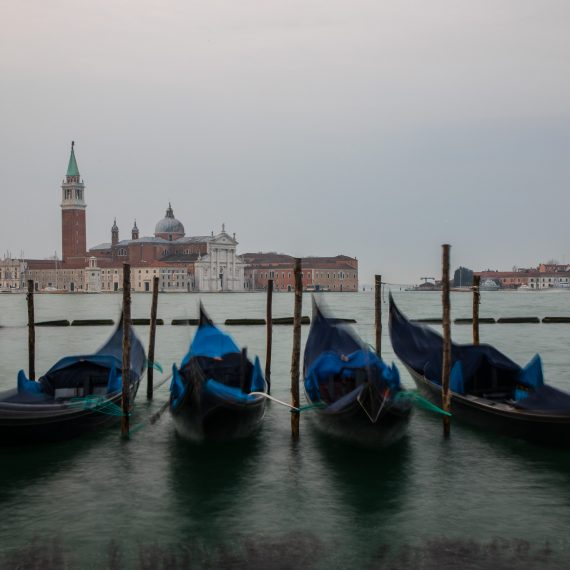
<point>358,397</point>
<point>488,389</point>
<point>217,393</point>
<point>77,394</point>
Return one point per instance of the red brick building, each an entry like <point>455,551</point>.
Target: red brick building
<point>73,225</point>
<point>338,273</point>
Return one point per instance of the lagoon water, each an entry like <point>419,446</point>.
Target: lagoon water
<point>155,501</point>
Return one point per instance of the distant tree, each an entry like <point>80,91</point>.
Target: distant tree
<point>462,277</point>
<point>552,262</point>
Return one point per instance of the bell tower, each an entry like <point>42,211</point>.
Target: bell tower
<point>73,230</point>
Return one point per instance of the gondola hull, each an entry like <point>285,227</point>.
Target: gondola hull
<point>43,423</point>
<point>500,417</point>
<point>357,397</point>
<point>352,424</point>
<point>78,394</point>
<point>205,414</point>
<point>213,419</point>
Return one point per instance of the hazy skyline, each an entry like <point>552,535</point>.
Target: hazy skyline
<point>374,129</point>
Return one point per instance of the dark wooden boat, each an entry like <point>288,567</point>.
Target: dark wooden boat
<point>488,389</point>
<point>77,394</point>
<point>358,397</point>
<point>218,393</point>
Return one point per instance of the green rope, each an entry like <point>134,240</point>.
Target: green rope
<point>97,404</point>
<point>309,407</point>
<point>420,402</point>
<point>155,365</point>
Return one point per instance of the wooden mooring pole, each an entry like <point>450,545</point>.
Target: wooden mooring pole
<point>126,407</point>
<point>269,319</point>
<point>296,356</point>
<point>150,367</point>
<point>244,379</point>
<point>31,332</point>
<point>476,303</point>
<point>446,368</point>
<point>378,312</point>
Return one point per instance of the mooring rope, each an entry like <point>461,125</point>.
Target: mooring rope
<point>292,408</point>
<point>104,406</point>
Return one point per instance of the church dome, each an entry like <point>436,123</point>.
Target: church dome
<point>169,226</point>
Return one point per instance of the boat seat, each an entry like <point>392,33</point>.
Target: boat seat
<point>497,395</point>
<point>67,393</point>
<point>226,370</point>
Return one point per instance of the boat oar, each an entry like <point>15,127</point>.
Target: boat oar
<point>421,402</point>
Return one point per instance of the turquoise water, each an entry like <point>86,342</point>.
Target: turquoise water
<point>155,500</point>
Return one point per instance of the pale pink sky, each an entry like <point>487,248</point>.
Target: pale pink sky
<point>378,129</point>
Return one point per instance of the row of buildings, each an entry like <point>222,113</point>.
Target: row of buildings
<point>545,276</point>
<point>183,263</point>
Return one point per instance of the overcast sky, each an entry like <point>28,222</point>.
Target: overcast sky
<point>376,129</point>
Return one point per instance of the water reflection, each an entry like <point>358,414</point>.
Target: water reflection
<point>370,482</point>
<point>208,480</point>
<point>26,465</point>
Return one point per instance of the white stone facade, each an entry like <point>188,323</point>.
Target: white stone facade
<point>220,269</point>
<point>12,274</point>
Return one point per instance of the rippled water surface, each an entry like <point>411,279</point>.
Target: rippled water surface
<point>154,501</point>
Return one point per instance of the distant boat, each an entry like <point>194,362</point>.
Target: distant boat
<point>488,389</point>
<point>358,394</point>
<point>77,394</point>
<point>217,393</point>
<point>489,285</point>
<point>429,284</point>
<point>52,290</point>
<point>317,289</point>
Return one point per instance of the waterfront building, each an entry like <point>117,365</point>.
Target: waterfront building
<point>545,276</point>
<point>12,274</point>
<point>182,263</point>
<point>339,273</point>
<point>508,279</point>
<point>193,263</point>
<point>547,280</point>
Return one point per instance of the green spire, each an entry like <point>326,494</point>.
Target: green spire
<point>72,169</point>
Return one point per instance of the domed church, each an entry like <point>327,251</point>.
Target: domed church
<point>169,227</point>
<point>189,263</point>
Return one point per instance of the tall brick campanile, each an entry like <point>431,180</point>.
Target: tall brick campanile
<point>73,231</point>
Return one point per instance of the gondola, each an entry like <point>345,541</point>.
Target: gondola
<point>77,394</point>
<point>488,389</point>
<point>217,393</point>
<point>357,397</point>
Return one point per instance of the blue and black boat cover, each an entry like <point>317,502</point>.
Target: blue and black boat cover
<point>478,370</point>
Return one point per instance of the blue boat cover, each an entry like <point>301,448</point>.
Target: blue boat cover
<point>334,350</point>
<point>228,392</point>
<point>26,386</point>
<point>546,398</point>
<point>110,354</point>
<point>210,342</point>
<point>476,369</point>
<point>101,366</point>
<point>177,388</point>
